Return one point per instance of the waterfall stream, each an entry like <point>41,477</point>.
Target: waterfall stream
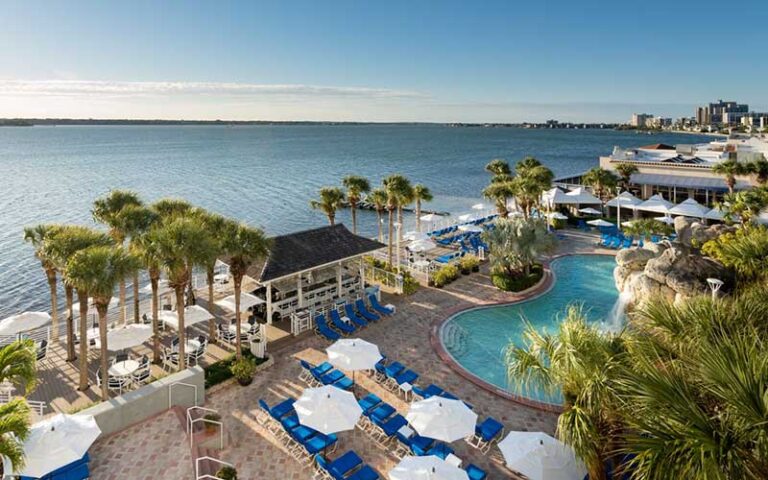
<point>617,317</point>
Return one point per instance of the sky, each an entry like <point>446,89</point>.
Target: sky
<point>441,61</point>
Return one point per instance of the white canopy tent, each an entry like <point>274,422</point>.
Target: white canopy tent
<point>56,442</point>
<point>580,196</point>
<point>655,204</point>
<point>128,336</point>
<point>247,301</point>
<point>555,196</point>
<point>715,214</point>
<point>541,457</point>
<point>625,200</point>
<point>600,223</point>
<point>690,208</point>
<point>23,322</point>
<point>192,315</point>
<point>557,216</point>
<point>429,467</point>
<point>665,219</point>
<point>590,211</point>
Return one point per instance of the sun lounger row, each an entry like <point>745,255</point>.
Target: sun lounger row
<point>453,228</point>
<point>324,374</point>
<point>347,467</point>
<point>302,442</point>
<point>353,320</point>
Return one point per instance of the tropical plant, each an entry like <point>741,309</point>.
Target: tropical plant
<point>759,168</point>
<point>214,224</point>
<point>583,364</point>
<point>356,187</point>
<point>601,181</point>
<point>500,170</point>
<point>137,220</point>
<point>745,251</point>
<point>63,245</point>
<point>644,227</point>
<point>330,200</point>
<point>243,370</point>
<point>420,194</point>
<point>37,236</point>
<point>625,171</point>
<point>150,256</point>
<point>227,473</point>
<point>501,188</point>
<point>730,169</point>
<point>445,275</point>
<point>108,210</point>
<point>744,205</point>
<point>515,244</point>
<point>17,367</point>
<point>242,245</point>
<point>397,188</point>
<point>170,208</point>
<point>378,198</point>
<point>180,244</point>
<point>97,271</point>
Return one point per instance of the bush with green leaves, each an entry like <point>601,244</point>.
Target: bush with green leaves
<point>445,275</point>
<point>227,473</point>
<point>243,369</point>
<point>469,262</point>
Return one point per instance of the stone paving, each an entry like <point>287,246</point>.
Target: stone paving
<point>404,337</point>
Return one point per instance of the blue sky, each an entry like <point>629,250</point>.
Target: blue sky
<point>381,61</point>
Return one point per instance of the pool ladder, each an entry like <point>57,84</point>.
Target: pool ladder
<point>455,338</point>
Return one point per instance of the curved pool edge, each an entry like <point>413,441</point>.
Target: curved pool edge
<point>543,286</point>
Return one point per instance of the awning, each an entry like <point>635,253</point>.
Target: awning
<point>655,204</point>
<point>689,208</point>
<point>681,181</point>
<point>580,196</point>
<point>625,199</point>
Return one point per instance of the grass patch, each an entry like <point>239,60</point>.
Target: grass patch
<point>520,282</point>
<point>220,371</point>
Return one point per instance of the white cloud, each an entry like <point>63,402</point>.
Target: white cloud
<point>91,88</point>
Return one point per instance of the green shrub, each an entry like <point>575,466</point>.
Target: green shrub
<point>220,371</point>
<point>518,282</point>
<point>445,275</point>
<point>227,473</point>
<point>469,262</point>
<point>243,369</point>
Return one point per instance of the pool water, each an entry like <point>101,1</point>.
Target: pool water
<point>477,339</point>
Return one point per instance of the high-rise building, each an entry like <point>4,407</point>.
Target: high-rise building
<point>720,112</point>
<point>639,119</point>
<point>702,115</point>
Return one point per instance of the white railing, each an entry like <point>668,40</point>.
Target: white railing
<point>208,476</point>
<point>378,276</point>
<point>318,297</point>
<point>182,384</point>
<point>35,406</point>
<point>192,421</point>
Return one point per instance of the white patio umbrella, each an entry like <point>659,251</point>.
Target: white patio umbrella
<point>590,211</point>
<point>690,208</point>
<point>470,228</point>
<point>580,196</point>
<point>128,336</point>
<point>600,223</point>
<point>442,419</point>
<point>655,204</point>
<point>414,236</point>
<point>665,219</point>
<point>426,468</point>
<point>464,217</point>
<point>541,457</point>
<point>625,199</point>
<point>247,301</point>
<point>557,216</point>
<point>353,354</point>
<point>57,442</point>
<point>192,315</point>
<point>429,217</point>
<point>23,322</point>
<point>422,246</point>
<point>478,206</point>
<point>328,409</point>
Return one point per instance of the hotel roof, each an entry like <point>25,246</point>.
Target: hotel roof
<point>658,146</point>
<point>682,181</point>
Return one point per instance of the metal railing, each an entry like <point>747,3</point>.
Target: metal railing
<point>170,391</point>
<point>378,276</point>
<point>35,406</point>
<point>192,421</point>
<point>208,476</point>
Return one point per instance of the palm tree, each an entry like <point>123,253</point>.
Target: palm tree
<point>730,169</point>
<point>500,193</point>
<point>107,210</point>
<point>601,180</point>
<point>17,366</point>
<point>243,246</point>
<point>759,168</point>
<point>331,198</point>
<point>517,243</point>
<point>531,181</point>
<point>420,194</point>
<point>180,244</point>
<point>406,198</point>
<point>378,198</point>
<point>625,171</point>
<point>356,186</point>
<point>396,187</point>
<point>745,251</point>
<point>96,271</point>
<point>583,363</point>
<point>214,224</point>
<point>172,207</point>
<point>69,240</point>
<point>37,236</point>
<point>137,220</point>
<point>500,170</point>
<point>148,253</point>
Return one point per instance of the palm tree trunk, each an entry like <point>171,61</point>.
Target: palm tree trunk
<point>69,293</point>
<point>51,276</point>
<point>418,215</point>
<point>136,318</point>
<point>212,321</point>
<point>353,206</point>
<point>102,309</point>
<point>331,219</point>
<point>123,307</point>
<point>238,280</point>
<point>400,221</point>
<point>378,222</point>
<point>82,297</point>
<point>153,279</point>
<point>389,235</point>
<point>182,335</point>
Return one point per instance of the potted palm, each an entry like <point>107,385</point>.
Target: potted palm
<point>227,473</point>
<point>211,427</point>
<point>243,369</point>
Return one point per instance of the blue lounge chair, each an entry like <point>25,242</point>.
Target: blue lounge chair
<point>340,467</point>
<point>336,318</point>
<point>283,408</point>
<point>382,412</point>
<point>486,434</point>
<point>440,450</point>
<point>428,392</point>
<point>420,445</point>
<point>318,443</point>
<point>393,369</point>
<point>360,305</point>
<point>323,329</point>
<point>345,328</point>
<point>391,425</point>
<point>369,402</point>
<point>365,473</point>
<point>475,473</point>
<point>379,307</point>
<point>408,376</point>
<point>350,311</point>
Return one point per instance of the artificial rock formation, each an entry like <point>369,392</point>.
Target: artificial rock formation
<point>671,270</point>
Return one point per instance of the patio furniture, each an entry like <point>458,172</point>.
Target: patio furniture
<point>225,334</point>
<point>322,328</point>
<point>425,393</point>
<point>170,360</point>
<point>117,384</point>
<point>344,328</point>
<point>352,315</point>
<point>361,308</point>
<point>476,473</point>
<point>123,368</point>
<point>486,434</point>
<point>368,403</point>
<point>382,309</point>
<point>42,350</point>
<point>336,318</point>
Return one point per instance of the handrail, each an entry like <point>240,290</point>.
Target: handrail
<point>210,459</point>
<point>170,391</point>
<point>191,423</point>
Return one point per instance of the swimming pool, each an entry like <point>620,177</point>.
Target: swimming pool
<point>478,338</point>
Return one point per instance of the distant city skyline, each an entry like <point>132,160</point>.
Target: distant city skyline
<point>354,61</point>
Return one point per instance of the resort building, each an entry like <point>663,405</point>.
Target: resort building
<point>682,171</point>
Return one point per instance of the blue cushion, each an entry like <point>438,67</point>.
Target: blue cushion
<point>489,429</point>
<point>283,408</point>
<point>368,402</point>
<point>365,473</point>
<point>475,473</point>
<point>382,412</point>
<point>345,463</point>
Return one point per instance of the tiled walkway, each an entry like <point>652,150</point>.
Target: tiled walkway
<point>404,337</point>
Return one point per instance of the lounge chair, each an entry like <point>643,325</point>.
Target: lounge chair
<point>486,434</point>
<point>350,311</point>
<point>336,318</point>
<point>428,392</point>
<point>322,328</point>
<point>339,324</point>
<point>475,473</point>
<point>392,370</point>
<point>382,309</point>
<point>369,402</point>
<point>360,305</point>
<point>337,379</point>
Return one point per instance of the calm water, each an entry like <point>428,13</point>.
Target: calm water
<point>477,339</point>
<point>263,175</point>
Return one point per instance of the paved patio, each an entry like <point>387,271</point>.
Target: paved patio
<point>404,337</point>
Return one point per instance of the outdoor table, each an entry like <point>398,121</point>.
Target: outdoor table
<point>453,460</point>
<point>221,278</point>
<point>422,263</point>
<point>406,388</point>
<point>189,346</point>
<point>124,368</point>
